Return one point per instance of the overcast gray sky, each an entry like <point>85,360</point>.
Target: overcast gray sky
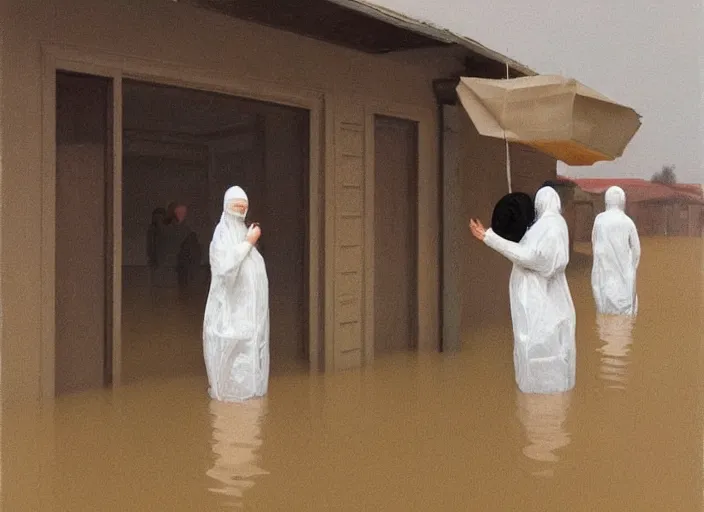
<point>644,53</point>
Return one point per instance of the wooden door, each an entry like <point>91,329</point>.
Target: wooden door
<point>395,234</point>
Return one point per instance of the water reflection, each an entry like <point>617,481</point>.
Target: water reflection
<point>617,334</point>
<point>236,439</point>
<point>543,418</point>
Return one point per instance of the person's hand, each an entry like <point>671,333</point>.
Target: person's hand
<point>477,229</point>
<point>253,234</point>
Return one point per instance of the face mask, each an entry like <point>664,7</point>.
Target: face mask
<point>237,207</point>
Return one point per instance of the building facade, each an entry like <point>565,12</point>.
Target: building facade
<point>66,67</point>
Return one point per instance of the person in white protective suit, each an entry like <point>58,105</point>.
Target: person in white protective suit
<point>236,323</point>
<point>616,249</point>
<point>542,311</point>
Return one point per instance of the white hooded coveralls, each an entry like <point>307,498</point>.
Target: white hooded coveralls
<point>542,311</point>
<point>236,323</point>
<point>616,250</point>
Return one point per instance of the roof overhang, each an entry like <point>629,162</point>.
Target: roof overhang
<point>356,24</point>
<point>433,31</point>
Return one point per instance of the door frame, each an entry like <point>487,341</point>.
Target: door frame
<point>56,58</point>
<point>109,252</point>
<point>427,308</point>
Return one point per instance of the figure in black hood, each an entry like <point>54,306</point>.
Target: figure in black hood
<point>513,215</point>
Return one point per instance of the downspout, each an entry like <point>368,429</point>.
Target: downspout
<point>441,216</point>
<point>445,94</point>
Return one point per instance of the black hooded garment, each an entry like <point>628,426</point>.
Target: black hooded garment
<point>513,215</point>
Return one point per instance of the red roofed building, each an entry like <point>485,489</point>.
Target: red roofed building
<point>656,208</point>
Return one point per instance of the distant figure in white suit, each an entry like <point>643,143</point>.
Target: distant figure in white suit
<point>616,249</point>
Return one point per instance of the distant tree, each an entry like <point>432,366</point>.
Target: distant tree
<point>666,175</point>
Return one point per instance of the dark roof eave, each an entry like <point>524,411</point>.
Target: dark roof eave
<point>430,30</point>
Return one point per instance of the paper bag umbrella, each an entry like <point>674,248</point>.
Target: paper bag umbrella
<point>555,115</point>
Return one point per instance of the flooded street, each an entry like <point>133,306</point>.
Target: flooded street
<point>445,432</point>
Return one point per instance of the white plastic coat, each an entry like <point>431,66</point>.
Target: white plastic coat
<point>236,323</point>
<point>616,249</point>
<point>542,311</point>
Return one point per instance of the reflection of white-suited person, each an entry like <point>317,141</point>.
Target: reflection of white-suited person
<point>236,438</point>
<point>543,418</point>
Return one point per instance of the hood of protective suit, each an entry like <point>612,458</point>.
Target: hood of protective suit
<point>232,194</point>
<point>615,198</point>
<point>547,201</point>
<point>231,228</point>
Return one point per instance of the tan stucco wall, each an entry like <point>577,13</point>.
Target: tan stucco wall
<point>172,36</point>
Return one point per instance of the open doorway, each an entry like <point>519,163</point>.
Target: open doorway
<point>395,235</point>
<point>186,147</point>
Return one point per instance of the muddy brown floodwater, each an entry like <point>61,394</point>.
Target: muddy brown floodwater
<point>439,432</point>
